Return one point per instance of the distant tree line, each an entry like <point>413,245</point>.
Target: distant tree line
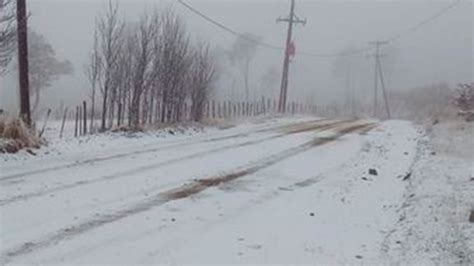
<point>147,72</point>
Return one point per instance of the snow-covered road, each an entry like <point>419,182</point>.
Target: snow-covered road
<point>287,191</point>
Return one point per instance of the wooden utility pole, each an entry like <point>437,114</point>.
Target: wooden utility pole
<point>22,31</point>
<point>378,74</point>
<point>291,20</point>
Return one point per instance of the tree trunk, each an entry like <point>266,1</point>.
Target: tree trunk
<point>163,107</point>
<point>91,126</point>
<point>246,78</point>
<point>104,110</point>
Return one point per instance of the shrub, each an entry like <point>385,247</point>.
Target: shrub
<point>464,97</point>
<point>15,135</point>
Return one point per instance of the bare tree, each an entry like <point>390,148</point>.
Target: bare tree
<point>44,67</point>
<point>242,54</point>
<point>7,33</point>
<point>125,77</point>
<point>110,31</point>
<point>202,78</point>
<point>141,44</point>
<point>171,65</point>
<point>93,73</point>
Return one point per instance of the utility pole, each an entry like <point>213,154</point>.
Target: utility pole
<point>378,75</point>
<point>22,31</point>
<point>291,20</point>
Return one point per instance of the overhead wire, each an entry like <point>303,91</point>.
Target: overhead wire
<point>321,55</point>
<point>424,22</point>
<point>228,29</point>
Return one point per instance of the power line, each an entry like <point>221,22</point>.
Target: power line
<point>260,43</point>
<point>228,29</point>
<point>424,22</point>
<point>321,55</point>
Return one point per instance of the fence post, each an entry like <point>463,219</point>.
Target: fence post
<point>76,121</point>
<point>62,125</point>
<point>45,122</point>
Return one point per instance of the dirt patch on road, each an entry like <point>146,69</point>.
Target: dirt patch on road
<point>325,125</point>
<point>202,184</point>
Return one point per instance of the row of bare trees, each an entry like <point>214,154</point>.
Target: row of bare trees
<point>147,72</point>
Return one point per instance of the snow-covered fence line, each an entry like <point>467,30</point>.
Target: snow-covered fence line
<point>85,122</point>
<point>265,106</point>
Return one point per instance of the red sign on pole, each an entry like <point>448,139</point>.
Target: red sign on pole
<point>292,49</point>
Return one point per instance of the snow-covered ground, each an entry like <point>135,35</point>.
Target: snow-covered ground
<point>281,191</point>
<point>433,226</point>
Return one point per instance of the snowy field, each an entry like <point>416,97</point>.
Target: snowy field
<point>271,191</point>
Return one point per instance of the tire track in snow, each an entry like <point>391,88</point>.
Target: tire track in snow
<point>181,192</point>
<point>149,150</point>
<point>122,174</point>
<point>260,198</point>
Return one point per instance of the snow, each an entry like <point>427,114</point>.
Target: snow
<point>305,196</point>
<point>433,226</point>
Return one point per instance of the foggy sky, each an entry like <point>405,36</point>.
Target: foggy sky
<point>440,51</point>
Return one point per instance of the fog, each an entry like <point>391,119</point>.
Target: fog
<point>440,51</point>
